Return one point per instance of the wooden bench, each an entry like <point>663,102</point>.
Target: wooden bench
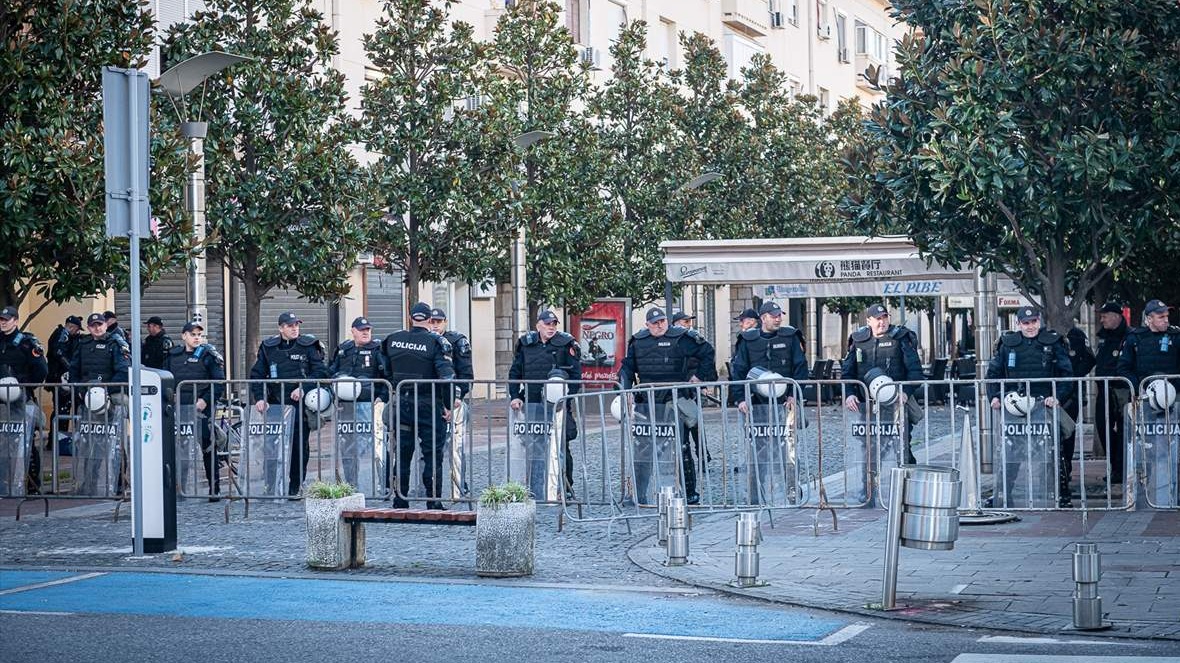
<point>356,520</point>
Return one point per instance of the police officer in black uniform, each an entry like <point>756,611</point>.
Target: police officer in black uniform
<point>660,353</point>
<point>1112,396</point>
<point>538,354</point>
<point>289,355</point>
<point>419,354</point>
<point>1153,349</point>
<point>22,357</point>
<point>361,357</point>
<point>194,359</point>
<point>113,327</point>
<point>1029,354</point>
<point>100,356</point>
<point>894,351</point>
<point>771,346</point>
<point>156,345</point>
<point>1081,361</point>
<point>460,352</point>
<point>62,344</point>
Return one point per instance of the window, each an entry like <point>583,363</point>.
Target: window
<point>821,18</point>
<point>738,52</point>
<point>573,20</point>
<point>842,38</point>
<point>870,42</point>
<point>824,100</point>
<point>606,20</point>
<point>664,44</point>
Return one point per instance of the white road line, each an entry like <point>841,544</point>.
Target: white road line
<point>1016,640</point>
<point>843,635</point>
<point>1039,658</point>
<point>36,612</point>
<point>958,588</point>
<point>50,583</point>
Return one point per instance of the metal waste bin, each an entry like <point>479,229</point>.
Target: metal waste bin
<point>930,516</point>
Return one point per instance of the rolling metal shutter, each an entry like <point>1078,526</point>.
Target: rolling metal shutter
<point>384,303</point>
<point>314,316</point>
<point>168,298</point>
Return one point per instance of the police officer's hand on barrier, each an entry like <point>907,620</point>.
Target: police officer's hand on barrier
<point>446,415</point>
<point>201,405</point>
<point>1050,401</point>
<point>297,394</point>
<point>743,408</point>
<point>852,403</point>
<point>260,406</point>
<point>516,404</point>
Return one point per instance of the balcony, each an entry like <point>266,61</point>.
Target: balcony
<point>863,62</point>
<point>748,17</point>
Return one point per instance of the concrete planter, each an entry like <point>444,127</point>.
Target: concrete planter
<point>328,543</point>
<point>504,537</point>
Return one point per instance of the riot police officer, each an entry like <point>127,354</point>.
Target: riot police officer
<point>62,344</point>
<point>289,355</point>
<point>419,354</point>
<point>1081,361</point>
<point>1029,354</point>
<point>100,356</point>
<point>22,357</point>
<point>1113,396</point>
<point>361,357</point>
<point>770,346</point>
<point>891,349</point>
<point>537,355</point>
<point>1153,349</point>
<point>113,327</point>
<point>156,345</point>
<point>661,354</point>
<point>460,349</point>
<point>195,359</point>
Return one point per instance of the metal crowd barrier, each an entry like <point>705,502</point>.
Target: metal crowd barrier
<point>1153,419</point>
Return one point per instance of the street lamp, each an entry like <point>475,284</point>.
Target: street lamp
<point>695,183</point>
<point>520,306</point>
<point>177,82</point>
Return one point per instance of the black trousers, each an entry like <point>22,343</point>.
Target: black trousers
<point>421,425</point>
<point>1109,427</point>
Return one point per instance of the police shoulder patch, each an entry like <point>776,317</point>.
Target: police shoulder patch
<point>442,343</point>
<point>862,334</point>
<point>462,346</point>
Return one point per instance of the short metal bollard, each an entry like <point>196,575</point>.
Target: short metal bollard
<point>746,558</point>
<point>677,532</point>
<point>662,500</point>
<point>1087,604</point>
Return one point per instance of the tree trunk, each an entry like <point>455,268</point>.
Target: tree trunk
<point>254,294</point>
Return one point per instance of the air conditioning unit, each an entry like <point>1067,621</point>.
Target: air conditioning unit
<point>473,102</point>
<point>364,258</point>
<point>591,56</point>
<point>824,32</point>
<point>776,20</point>
<point>843,54</point>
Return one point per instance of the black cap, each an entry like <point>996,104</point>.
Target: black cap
<point>96,317</point>
<point>74,320</point>
<point>438,314</point>
<point>8,312</point>
<point>681,315</point>
<point>420,312</point>
<point>289,318</point>
<point>656,314</point>
<point>1026,313</point>
<point>1155,306</point>
<point>361,323</point>
<point>771,308</point>
<point>547,316</point>
<point>109,315</point>
<point>155,320</point>
<point>876,311</point>
<point>1111,307</point>
<point>189,326</point>
<point>749,313</point>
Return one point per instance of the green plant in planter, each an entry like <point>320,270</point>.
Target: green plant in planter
<point>506,493</point>
<point>323,490</point>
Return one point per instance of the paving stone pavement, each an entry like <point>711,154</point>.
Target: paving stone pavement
<point>1015,576</point>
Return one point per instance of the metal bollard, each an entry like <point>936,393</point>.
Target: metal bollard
<point>1087,604</point>
<point>662,501</point>
<point>677,532</point>
<point>746,558</point>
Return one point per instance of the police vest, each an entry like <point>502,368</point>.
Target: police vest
<point>96,358</point>
<point>539,358</point>
<point>287,360</point>
<point>461,348</point>
<point>359,361</point>
<point>411,354</point>
<point>1110,345</point>
<point>193,365</point>
<point>1030,358</point>
<point>774,352</point>
<point>155,348</point>
<point>660,358</point>
<point>18,352</point>
<point>1156,353</point>
<point>885,353</point>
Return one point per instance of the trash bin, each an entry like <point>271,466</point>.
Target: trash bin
<point>930,508</point>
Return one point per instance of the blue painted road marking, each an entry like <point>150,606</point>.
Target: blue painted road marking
<point>14,579</point>
<point>236,597</point>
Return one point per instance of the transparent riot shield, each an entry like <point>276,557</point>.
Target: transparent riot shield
<point>456,450</point>
<point>1160,432</point>
<point>880,432</point>
<point>98,452</point>
<point>655,450</point>
<point>356,447</point>
<point>771,463</point>
<point>1025,460</point>
<point>188,450</point>
<point>534,426</point>
<point>268,450</point>
<point>17,422</point>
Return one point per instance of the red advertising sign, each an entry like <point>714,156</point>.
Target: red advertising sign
<point>602,332</point>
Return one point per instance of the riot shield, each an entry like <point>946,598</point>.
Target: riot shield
<point>456,448</point>
<point>534,426</point>
<point>98,451</point>
<point>880,432</point>
<point>188,450</point>
<point>772,468</point>
<point>655,450</point>
<point>268,450</point>
<point>1160,432</point>
<point>17,423</point>
<point>356,447</point>
<point>1026,459</point>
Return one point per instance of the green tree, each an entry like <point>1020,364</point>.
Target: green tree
<point>425,222</point>
<point>52,211</point>
<point>282,185</point>
<point>1036,138</point>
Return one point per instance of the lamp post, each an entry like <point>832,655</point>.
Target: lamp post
<point>695,183</point>
<point>177,82</point>
<point>520,306</point>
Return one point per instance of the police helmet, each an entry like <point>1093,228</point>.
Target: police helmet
<point>1160,395</point>
<point>97,400</point>
<point>1017,405</point>
<point>882,389</point>
<point>616,408</point>
<point>768,383</point>
<point>347,388</point>
<point>317,400</point>
<point>9,394</point>
<point>556,389</point>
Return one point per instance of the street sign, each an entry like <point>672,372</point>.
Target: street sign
<point>125,150</point>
